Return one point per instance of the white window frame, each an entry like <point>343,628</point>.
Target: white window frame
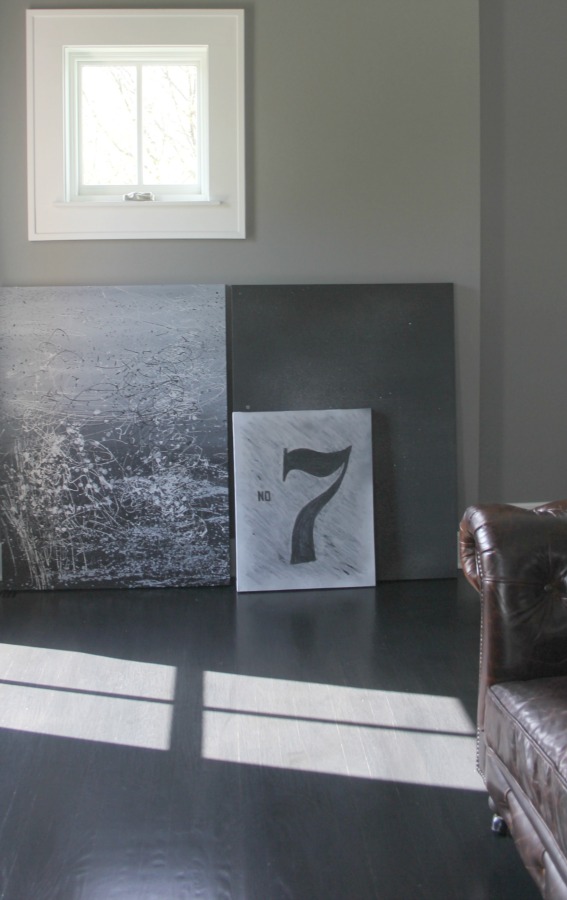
<point>54,212</point>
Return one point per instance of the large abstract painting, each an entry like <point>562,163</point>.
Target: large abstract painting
<point>304,499</point>
<point>113,447</point>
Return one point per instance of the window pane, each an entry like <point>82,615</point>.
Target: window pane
<point>169,115</point>
<point>108,125</point>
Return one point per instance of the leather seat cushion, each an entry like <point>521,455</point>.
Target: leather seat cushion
<point>526,727</point>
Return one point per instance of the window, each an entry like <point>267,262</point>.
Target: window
<point>135,124</point>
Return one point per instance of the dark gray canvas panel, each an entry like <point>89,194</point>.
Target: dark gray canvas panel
<point>386,347</point>
<point>113,447</point>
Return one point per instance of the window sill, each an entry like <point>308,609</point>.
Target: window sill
<point>134,204</point>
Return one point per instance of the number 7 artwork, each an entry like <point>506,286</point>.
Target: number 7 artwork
<point>304,500</point>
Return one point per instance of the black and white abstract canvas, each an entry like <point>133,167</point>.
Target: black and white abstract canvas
<point>303,499</point>
<point>113,437</point>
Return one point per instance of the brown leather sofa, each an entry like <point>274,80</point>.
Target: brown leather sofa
<point>517,560</point>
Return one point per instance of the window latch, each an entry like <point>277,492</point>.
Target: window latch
<point>139,195</point>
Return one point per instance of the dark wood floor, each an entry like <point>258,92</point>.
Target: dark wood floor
<point>195,745</point>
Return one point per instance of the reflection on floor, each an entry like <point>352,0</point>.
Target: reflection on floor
<point>183,744</point>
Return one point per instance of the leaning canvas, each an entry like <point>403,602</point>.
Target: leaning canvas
<point>113,437</point>
<point>304,499</point>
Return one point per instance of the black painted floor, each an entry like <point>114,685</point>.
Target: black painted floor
<point>196,745</point>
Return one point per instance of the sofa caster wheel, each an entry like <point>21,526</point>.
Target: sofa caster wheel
<point>499,826</point>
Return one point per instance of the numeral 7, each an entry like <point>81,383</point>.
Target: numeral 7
<point>313,462</point>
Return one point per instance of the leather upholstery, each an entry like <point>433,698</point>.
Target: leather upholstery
<point>526,728</point>
<point>517,560</point>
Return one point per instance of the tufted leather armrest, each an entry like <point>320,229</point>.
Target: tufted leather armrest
<point>517,560</point>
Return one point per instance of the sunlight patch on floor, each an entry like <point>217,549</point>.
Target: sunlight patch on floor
<point>69,694</point>
<point>384,735</point>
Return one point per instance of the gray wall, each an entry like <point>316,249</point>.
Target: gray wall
<point>524,250</point>
<point>362,157</point>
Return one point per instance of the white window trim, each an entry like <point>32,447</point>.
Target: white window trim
<point>51,216</point>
